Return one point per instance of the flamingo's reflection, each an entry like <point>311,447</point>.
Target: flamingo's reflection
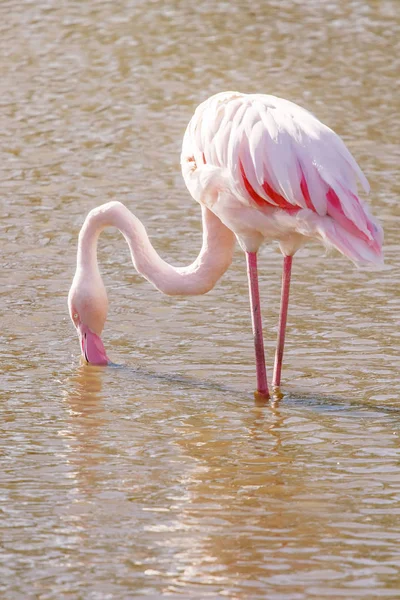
<point>231,467</point>
<point>84,399</point>
<point>236,495</point>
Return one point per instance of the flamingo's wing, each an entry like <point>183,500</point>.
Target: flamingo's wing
<point>276,153</point>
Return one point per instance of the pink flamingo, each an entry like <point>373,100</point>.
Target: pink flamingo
<point>261,168</point>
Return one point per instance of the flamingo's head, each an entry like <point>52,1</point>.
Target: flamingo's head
<point>88,305</point>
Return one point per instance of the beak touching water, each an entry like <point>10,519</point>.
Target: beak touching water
<point>92,347</point>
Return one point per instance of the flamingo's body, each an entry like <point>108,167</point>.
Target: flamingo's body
<point>262,168</point>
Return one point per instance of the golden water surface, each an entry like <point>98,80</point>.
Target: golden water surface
<point>161,477</point>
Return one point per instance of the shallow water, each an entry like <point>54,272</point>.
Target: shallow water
<point>161,476</point>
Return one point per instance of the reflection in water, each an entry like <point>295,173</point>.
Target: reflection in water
<point>217,489</point>
<point>85,407</point>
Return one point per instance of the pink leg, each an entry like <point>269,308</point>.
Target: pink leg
<point>262,385</point>
<point>287,270</point>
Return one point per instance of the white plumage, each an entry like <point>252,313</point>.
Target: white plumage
<point>294,175</point>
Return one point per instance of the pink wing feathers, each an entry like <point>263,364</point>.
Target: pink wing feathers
<point>277,153</point>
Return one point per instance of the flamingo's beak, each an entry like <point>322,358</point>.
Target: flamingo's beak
<point>92,347</point>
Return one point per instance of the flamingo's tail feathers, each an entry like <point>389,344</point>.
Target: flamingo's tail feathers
<point>360,250</point>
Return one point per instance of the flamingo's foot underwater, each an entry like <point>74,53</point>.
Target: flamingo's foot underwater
<point>277,393</point>
<point>261,398</point>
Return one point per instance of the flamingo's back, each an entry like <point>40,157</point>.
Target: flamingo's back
<point>274,153</point>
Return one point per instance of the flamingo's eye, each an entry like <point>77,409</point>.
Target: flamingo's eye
<point>75,315</point>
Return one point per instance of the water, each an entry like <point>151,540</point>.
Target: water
<point>161,477</point>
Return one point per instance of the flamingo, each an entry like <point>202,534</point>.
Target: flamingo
<point>262,168</point>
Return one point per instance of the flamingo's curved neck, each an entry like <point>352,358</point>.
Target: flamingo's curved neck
<point>198,278</point>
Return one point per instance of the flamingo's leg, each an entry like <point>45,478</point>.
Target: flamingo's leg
<point>262,385</point>
<point>287,270</point>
